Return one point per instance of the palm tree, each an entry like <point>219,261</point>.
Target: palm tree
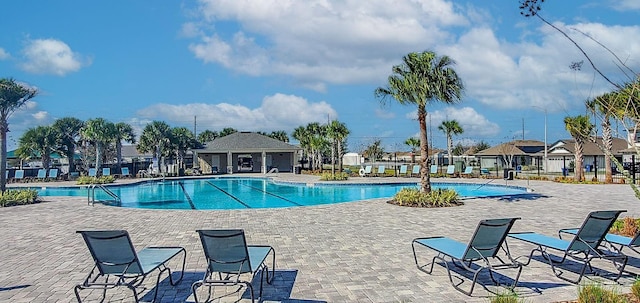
<point>156,138</point>
<point>580,128</point>
<point>317,142</point>
<point>38,141</point>
<point>183,139</point>
<point>68,130</point>
<point>450,128</point>
<point>423,78</point>
<point>227,131</point>
<point>207,136</point>
<point>301,134</point>
<point>13,95</point>
<point>279,135</point>
<point>606,106</point>
<point>374,151</point>
<point>123,132</point>
<point>337,131</point>
<point>100,132</point>
<point>414,144</point>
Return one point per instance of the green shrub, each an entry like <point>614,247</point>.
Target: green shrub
<point>595,292</point>
<point>95,180</point>
<point>436,198</point>
<point>508,297</point>
<point>334,177</point>
<point>12,197</point>
<point>635,289</point>
<point>626,226</point>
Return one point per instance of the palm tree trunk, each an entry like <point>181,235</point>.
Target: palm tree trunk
<point>340,154</point>
<point>607,143</point>
<point>425,161</point>
<point>579,175</point>
<point>98,155</point>
<point>333,157</point>
<point>450,148</point>
<point>3,155</point>
<point>119,155</point>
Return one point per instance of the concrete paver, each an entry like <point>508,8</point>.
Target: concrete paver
<point>347,252</point>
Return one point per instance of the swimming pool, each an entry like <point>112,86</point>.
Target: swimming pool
<point>243,193</point>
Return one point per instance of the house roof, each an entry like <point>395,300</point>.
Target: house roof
<point>567,146</point>
<point>131,151</point>
<point>516,147</point>
<point>246,142</point>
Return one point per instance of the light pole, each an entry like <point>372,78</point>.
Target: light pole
<point>546,160</point>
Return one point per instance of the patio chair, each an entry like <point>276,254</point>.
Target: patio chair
<point>582,248</point>
<point>612,240</point>
<point>380,172</point>
<point>415,170</point>
<point>106,171</point>
<point>53,174</point>
<point>92,172</point>
<point>42,174</point>
<point>403,170</point>
<point>468,172</point>
<point>229,257</point>
<point>366,171</point>
<point>485,243</point>
<point>114,255</point>
<point>19,175</point>
<point>451,170</point>
<point>124,172</point>
<point>433,169</point>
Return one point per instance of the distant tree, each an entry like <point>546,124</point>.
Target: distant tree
<point>100,132</point>
<point>480,146</point>
<point>279,135</point>
<point>317,142</point>
<point>374,151</point>
<point>156,138</point>
<point>421,79</point>
<point>68,130</point>
<point>414,144</point>
<point>39,141</point>
<point>580,128</point>
<point>450,128</point>
<point>123,132</point>
<point>13,95</point>
<point>337,132</point>
<point>301,134</point>
<point>459,149</point>
<point>183,140</point>
<point>227,131</point>
<point>207,136</point>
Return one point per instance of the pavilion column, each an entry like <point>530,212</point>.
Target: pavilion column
<point>264,162</point>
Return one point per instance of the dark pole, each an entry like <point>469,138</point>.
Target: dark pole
<point>595,166</point>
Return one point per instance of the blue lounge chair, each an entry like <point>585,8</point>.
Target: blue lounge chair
<point>380,172</point>
<point>53,174</point>
<point>485,244</point>
<point>124,172</point>
<point>106,171</point>
<point>403,170</point>
<point>228,257</point>
<point>415,170</point>
<point>582,248</point>
<point>366,171</point>
<point>93,172</point>
<point>614,241</point>
<point>18,176</point>
<point>42,174</point>
<point>114,255</point>
<point>451,170</point>
<point>433,169</point>
<point>468,172</point>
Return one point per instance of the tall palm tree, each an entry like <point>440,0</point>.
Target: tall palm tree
<point>207,136</point>
<point>68,130</point>
<point>301,134</point>
<point>183,139</point>
<point>423,78</point>
<point>337,131</point>
<point>39,141</point>
<point>580,128</point>
<point>13,95</point>
<point>606,106</point>
<point>123,132</point>
<point>156,138</point>
<point>100,132</point>
<point>414,144</point>
<point>227,131</point>
<point>317,142</point>
<point>450,128</point>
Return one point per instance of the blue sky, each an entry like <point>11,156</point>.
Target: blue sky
<point>275,65</point>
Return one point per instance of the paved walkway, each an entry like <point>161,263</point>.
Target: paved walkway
<point>348,252</point>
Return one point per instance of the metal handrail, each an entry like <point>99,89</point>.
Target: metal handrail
<point>91,194</point>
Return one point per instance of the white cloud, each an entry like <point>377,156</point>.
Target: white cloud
<point>4,54</point>
<point>277,112</point>
<point>319,41</point>
<point>40,115</point>
<point>624,5</point>
<point>473,123</point>
<point>28,116</point>
<point>51,56</point>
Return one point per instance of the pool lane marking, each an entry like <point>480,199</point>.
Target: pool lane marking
<point>272,194</point>
<point>228,194</point>
<point>184,191</point>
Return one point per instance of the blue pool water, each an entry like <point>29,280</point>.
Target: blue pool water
<point>241,193</point>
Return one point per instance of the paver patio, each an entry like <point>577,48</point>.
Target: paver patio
<point>347,252</point>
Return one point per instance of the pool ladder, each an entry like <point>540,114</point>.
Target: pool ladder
<point>91,194</point>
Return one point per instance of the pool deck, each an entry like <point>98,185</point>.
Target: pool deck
<point>346,252</point>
